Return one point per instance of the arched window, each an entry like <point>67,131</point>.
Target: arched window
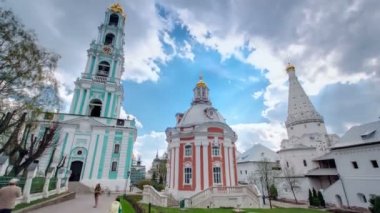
<point>217,175</point>
<point>362,197</point>
<point>95,108</point>
<point>114,20</point>
<point>188,175</point>
<point>114,166</point>
<point>109,39</point>
<point>188,151</point>
<point>103,69</point>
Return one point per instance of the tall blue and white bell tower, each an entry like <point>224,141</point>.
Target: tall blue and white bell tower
<point>105,66</point>
<point>96,143</point>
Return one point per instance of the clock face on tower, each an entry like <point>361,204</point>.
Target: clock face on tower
<point>210,112</point>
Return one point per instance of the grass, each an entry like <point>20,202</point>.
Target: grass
<point>24,205</point>
<point>157,209</point>
<point>126,206</point>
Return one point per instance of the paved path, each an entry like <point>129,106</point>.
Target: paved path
<point>83,203</point>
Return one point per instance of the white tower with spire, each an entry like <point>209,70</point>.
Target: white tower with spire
<point>307,136</point>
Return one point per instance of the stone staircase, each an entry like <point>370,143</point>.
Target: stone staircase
<point>79,188</point>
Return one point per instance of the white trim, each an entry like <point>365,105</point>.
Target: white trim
<point>226,166</point>
<point>198,167</point>
<point>176,166</point>
<point>205,166</point>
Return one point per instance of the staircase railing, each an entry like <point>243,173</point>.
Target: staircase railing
<point>202,196</point>
<point>151,195</point>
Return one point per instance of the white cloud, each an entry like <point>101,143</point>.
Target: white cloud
<point>186,52</point>
<point>256,95</point>
<point>267,134</point>
<point>125,115</point>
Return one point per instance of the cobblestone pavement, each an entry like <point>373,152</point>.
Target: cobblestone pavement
<point>82,203</point>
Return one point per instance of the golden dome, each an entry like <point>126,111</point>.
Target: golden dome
<point>116,8</point>
<point>290,67</point>
<point>201,83</point>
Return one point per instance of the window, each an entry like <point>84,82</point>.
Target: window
<point>362,198</point>
<point>241,172</point>
<point>114,166</point>
<point>245,171</point>
<point>103,69</point>
<point>79,152</point>
<point>95,107</point>
<point>116,149</point>
<point>287,164</point>
<point>355,164</point>
<point>114,20</point>
<point>374,164</point>
<point>215,150</point>
<point>217,175</point>
<point>109,39</point>
<point>188,175</point>
<point>304,163</point>
<point>188,150</point>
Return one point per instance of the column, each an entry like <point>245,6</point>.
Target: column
<point>205,163</point>
<point>176,166</point>
<point>104,103</point>
<point>77,107</point>
<point>198,144</point>
<point>110,107</point>
<point>226,165</point>
<point>172,159</point>
<point>86,102</point>
<point>231,160</point>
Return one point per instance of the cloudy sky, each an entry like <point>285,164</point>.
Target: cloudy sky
<point>240,47</point>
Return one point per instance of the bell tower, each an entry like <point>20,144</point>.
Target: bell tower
<point>98,92</point>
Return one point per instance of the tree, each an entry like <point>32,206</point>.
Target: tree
<point>264,171</point>
<point>316,201</point>
<point>27,88</point>
<point>375,204</point>
<point>310,198</point>
<point>26,70</point>
<point>273,192</point>
<point>291,181</point>
<point>321,199</point>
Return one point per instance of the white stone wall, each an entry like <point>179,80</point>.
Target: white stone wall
<point>364,180</point>
<point>295,160</point>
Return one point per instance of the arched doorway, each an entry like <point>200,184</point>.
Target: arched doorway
<point>76,170</point>
<point>95,108</point>
<point>339,201</point>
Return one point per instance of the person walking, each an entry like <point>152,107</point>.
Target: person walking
<point>8,196</point>
<point>97,192</point>
<point>116,206</point>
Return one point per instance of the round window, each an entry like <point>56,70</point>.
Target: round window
<point>79,152</point>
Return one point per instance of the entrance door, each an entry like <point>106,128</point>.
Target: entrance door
<point>76,170</point>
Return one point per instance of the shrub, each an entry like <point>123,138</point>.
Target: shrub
<point>133,200</point>
<point>375,204</point>
<point>273,192</point>
<point>310,198</point>
<point>321,199</point>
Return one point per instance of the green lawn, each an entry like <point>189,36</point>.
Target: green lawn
<point>126,206</point>
<point>275,210</point>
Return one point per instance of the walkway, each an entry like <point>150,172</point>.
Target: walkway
<point>81,204</point>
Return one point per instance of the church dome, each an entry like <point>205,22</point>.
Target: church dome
<point>201,113</point>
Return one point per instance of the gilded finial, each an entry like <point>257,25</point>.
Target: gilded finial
<point>117,8</point>
<point>290,67</point>
<point>201,83</point>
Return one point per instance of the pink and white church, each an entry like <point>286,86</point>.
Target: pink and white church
<point>201,166</point>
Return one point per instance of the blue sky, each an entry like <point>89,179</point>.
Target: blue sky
<point>239,47</point>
